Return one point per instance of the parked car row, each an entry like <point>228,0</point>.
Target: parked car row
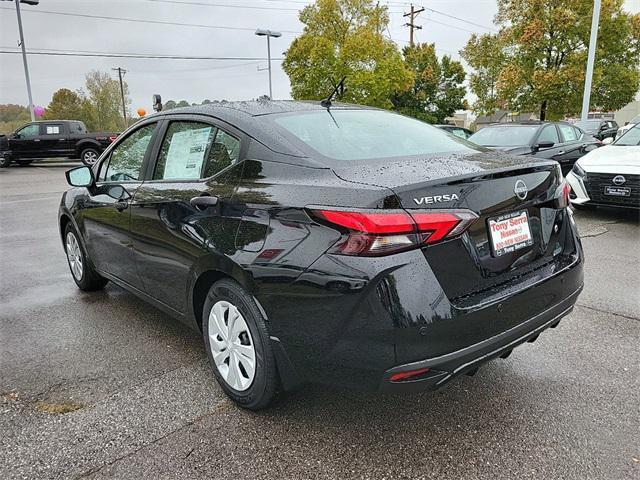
<point>53,139</point>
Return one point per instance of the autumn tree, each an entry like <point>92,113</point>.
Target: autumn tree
<point>344,38</point>
<point>13,116</point>
<point>537,61</point>
<point>103,92</point>
<point>438,89</point>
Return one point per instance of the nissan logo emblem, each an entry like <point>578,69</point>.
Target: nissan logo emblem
<point>619,179</point>
<point>521,190</point>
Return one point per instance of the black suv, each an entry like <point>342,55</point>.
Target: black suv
<point>342,245</point>
<point>599,128</point>
<point>53,139</point>
<point>559,141</point>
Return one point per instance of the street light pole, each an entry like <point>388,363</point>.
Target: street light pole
<point>269,34</point>
<point>586,97</point>
<point>24,60</point>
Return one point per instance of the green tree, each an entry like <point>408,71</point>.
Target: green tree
<point>343,38</point>
<point>537,61</point>
<point>437,90</point>
<point>67,105</point>
<point>103,93</point>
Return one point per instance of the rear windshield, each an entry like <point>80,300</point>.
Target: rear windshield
<point>589,124</point>
<point>504,136</point>
<point>367,134</point>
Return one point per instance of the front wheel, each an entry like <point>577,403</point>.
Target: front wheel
<point>5,162</point>
<point>238,346</point>
<point>89,156</point>
<point>82,271</point>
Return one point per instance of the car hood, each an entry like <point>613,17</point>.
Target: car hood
<point>398,173</point>
<point>612,159</point>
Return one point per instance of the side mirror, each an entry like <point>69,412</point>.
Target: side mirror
<point>118,192</point>
<point>80,177</point>
<point>545,144</point>
<point>607,141</point>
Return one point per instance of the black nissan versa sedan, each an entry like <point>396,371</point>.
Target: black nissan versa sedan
<point>345,245</point>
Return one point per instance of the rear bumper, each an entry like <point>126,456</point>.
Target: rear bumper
<point>443,368</point>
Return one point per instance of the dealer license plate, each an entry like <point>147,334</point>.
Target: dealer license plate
<point>510,232</point>
<point>617,191</point>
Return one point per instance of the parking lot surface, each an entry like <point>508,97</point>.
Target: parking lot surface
<point>102,385</point>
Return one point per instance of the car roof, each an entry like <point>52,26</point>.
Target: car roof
<point>528,122</point>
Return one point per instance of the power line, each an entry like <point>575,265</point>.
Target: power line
<point>204,4</point>
<point>140,20</point>
<point>63,53</point>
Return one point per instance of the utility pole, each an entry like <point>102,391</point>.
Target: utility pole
<point>591,56</point>
<point>122,71</point>
<point>412,24</point>
<point>24,60</point>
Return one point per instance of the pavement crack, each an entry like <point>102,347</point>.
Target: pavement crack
<point>599,310</point>
<point>219,407</point>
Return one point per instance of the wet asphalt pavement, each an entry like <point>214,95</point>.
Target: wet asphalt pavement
<point>102,385</point>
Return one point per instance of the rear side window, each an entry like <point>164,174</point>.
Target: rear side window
<point>125,163</point>
<point>549,134</point>
<point>52,129</point>
<point>194,150</point>
<point>568,133</point>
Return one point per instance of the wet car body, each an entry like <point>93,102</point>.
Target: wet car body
<point>411,319</point>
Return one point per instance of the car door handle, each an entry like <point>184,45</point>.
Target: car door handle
<point>61,139</point>
<point>36,139</point>
<point>204,201</point>
<point>121,205</point>
<point>561,152</point>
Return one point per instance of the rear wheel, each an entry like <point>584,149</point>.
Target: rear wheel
<point>89,156</point>
<point>82,271</point>
<point>238,346</point>
<point>5,162</point>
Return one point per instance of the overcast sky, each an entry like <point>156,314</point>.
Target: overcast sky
<point>192,80</point>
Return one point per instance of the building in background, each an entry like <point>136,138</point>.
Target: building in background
<point>627,112</point>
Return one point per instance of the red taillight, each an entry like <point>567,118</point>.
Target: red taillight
<point>113,138</point>
<point>398,377</point>
<point>379,233</point>
<point>561,199</point>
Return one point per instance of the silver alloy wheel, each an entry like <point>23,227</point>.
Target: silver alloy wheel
<point>232,345</point>
<point>74,255</point>
<point>90,157</point>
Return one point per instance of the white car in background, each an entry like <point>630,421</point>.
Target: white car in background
<point>630,124</point>
<point>610,175</point>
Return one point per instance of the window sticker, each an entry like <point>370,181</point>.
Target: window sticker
<point>53,129</point>
<point>186,153</point>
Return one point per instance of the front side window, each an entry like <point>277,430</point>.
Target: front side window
<point>549,134</point>
<point>52,129</point>
<point>125,163</point>
<point>350,135</point>
<point>194,150</point>
<point>32,130</point>
<point>568,133</point>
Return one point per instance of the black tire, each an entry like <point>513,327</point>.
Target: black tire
<point>5,162</point>
<point>89,156</point>
<point>89,280</point>
<point>265,385</point>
